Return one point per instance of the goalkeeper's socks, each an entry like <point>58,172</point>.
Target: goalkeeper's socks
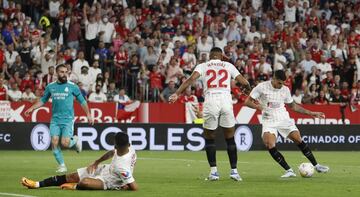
<point>58,156</point>
<point>53,181</point>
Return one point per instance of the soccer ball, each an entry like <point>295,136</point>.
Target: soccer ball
<point>306,170</point>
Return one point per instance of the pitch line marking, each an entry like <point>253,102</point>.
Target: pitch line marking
<point>12,194</point>
<point>184,160</point>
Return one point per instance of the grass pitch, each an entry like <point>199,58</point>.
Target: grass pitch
<point>182,174</point>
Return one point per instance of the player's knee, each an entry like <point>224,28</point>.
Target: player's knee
<point>65,144</point>
<point>269,145</point>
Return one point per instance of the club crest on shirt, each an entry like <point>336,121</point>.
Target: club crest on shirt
<point>66,89</point>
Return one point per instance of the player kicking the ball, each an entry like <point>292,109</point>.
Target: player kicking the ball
<point>275,119</point>
<point>62,93</point>
<point>118,175</point>
<point>217,109</point>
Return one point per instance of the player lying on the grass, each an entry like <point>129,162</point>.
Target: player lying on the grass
<point>118,175</point>
<point>275,119</point>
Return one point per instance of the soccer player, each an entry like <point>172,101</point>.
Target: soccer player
<point>62,93</point>
<point>275,119</point>
<point>217,109</point>
<point>118,175</point>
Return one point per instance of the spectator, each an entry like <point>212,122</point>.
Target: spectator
<point>3,90</point>
<point>98,96</point>
<point>112,91</point>
<point>151,58</point>
<point>94,71</point>
<point>91,31</point>
<point>79,63</point>
<point>321,99</point>
<point>49,77</point>
<point>19,66</point>
<point>74,34</point>
<point>11,54</point>
<point>27,82</point>
<point>204,47</point>
<point>323,67</point>
<point>189,59</point>
<point>336,98</point>
<point>28,95</point>
<point>297,96</point>
<point>307,63</point>
<point>173,71</point>
<point>169,90</point>
<point>14,93</point>
<point>106,30</point>
<point>122,98</point>
<point>86,79</point>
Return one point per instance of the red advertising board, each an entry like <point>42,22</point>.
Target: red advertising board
<point>173,113</point>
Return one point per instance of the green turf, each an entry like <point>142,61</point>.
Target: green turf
<point>182,174</point>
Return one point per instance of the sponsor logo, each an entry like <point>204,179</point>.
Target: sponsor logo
<point>125,175</point>
<point>243,138</point>
<point>40,137</point>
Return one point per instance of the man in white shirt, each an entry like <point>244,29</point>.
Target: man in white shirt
<point>86,79</point>
<point>98,96</point>
<point>94,71</point>
<point>266,66</point>
<point>216,76</point>
<point>290,12</point>
<point>122,97</point>
<point>204,47</point>
<point>28,95</point>
<point>280,61</point>
<point>332,26</point>
<point>252,34</point>
<point>106,30</point>
<point>91,32</point>
<point>179,37</point>
<point>271,97</point>
<point>14,93</point>
<point>323,67</point>
<point>10,55</point>
<point>80,62</point>
<point>220,41</point>
<point>118,175</point>
<point>307,63</point>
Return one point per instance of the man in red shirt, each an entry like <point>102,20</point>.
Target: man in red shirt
<point>3,90</point>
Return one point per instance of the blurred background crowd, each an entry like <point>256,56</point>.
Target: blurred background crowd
<point>143,49</point>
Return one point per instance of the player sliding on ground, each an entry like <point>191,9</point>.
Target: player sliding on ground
<point>218,109</point>
<point>118,175</point>
<point>62,93</point>
<point>275,119</point>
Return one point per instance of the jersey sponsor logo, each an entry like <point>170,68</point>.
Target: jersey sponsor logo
<point>125,175</point>
<point>243,138</point>
<point>40,137</point>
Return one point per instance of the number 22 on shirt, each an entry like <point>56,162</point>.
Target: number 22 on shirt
<point>216,78</point>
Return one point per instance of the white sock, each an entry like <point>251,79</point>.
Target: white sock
<point>290,170</point>
<point>234,171</point>
<point>62,165</point>
<point>213,169</point>
<point>317,165</point>
<point>37,184</point>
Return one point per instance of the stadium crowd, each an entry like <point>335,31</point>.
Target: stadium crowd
<point>148,47</point>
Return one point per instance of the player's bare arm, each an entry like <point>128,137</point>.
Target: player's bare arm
<point>297,108</point>
<point>245,84</point>
<point>33,107</point>
<point>91,168</point>
<point>250,102</point>
<point>85,107</point>
<point>183,86</point>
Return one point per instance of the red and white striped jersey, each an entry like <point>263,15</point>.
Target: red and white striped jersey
<point>272,101</point>
<point>216,75</point>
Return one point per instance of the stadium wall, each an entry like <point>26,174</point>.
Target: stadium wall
<point>175,137</point>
